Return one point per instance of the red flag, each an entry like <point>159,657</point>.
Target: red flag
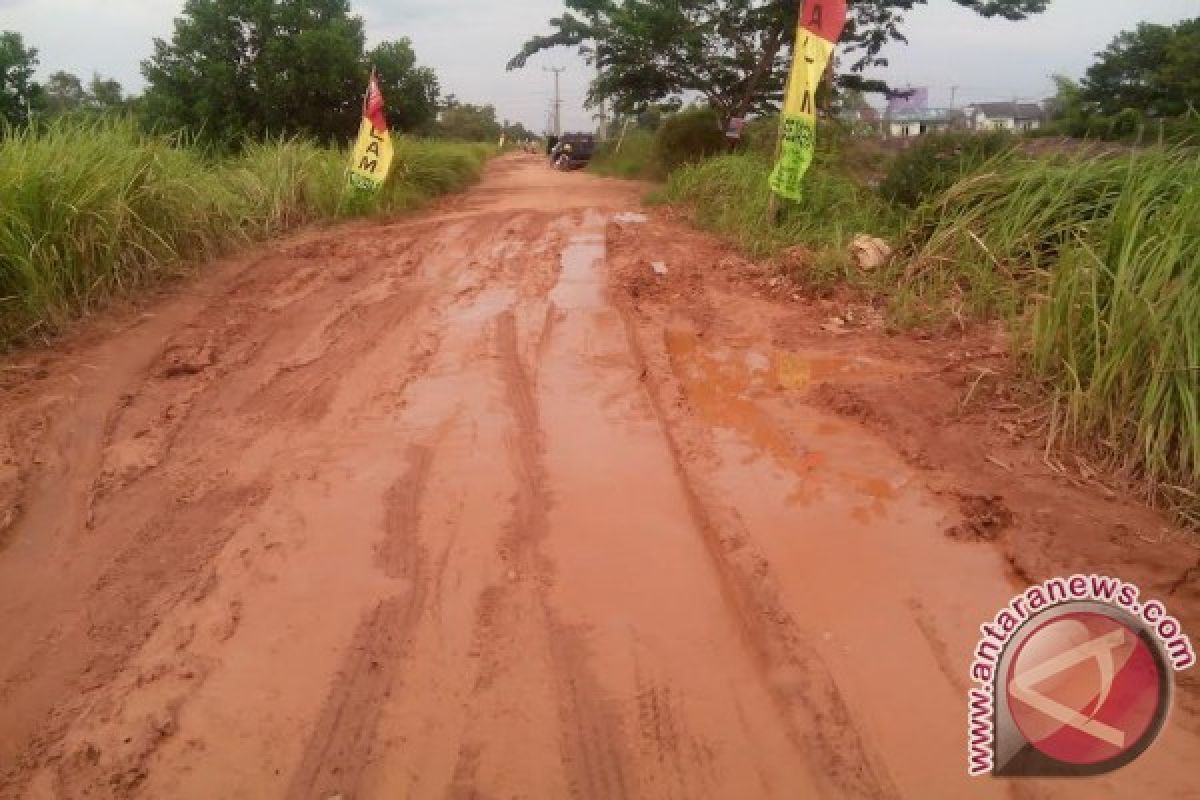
<point>825,18</point>
<point>373,104</point>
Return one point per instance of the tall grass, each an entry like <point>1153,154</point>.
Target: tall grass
<point>634,160</point>
<point>93,209</point>
<point>1098,259</point>
<point>730,195</point>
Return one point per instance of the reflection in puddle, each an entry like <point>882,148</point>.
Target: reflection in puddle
<point>581,281</point>
<point>725,385</point>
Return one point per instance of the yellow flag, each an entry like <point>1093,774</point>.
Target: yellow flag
<point>371,158</point>
<point>821,23</point>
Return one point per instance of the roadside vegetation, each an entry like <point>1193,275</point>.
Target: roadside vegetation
<point>1096,261</point>
<point>631,156</point>
<point>91,209</point>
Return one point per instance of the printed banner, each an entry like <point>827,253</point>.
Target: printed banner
<point>371,158</point>
<point>821,24</point>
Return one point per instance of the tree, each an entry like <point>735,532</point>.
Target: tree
<point>1180,71</point>
<point>411,92</point>
<point>733,52</point>
<point>517,132</point>
<point>105,94</point>
<point>1154,69</point>
<point>854,100</point>
<point>237,68</point>
<point>468,122</point>
<point>19,93</point>
<point>64,93</point>
<point>1067,109</point>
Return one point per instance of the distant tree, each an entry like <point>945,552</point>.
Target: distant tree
<point>105,94</point>
<point>733,52</point>
<point>64,93</point>
<point>238,68</point>
<point>1181,68</point>
<point>468,122</point>
<point>411,92</point>
<point>1067,110</point>
<point>517,132</point>
<point>19,93</point>
<point>854,100</point>
<point>1154,69</point>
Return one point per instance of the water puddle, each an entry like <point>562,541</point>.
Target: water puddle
<point>581,281</point>
<point>630,218</point>
<point>728,386</point>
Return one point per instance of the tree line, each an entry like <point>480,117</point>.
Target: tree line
<point>234,70</point>
<point>1151,73</point>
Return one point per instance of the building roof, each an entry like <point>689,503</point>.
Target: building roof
<point>922,115</point>
<point>1014,110</point>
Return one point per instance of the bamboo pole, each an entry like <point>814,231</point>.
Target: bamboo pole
<point>621,138</point>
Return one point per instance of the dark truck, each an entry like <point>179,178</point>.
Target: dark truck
<point>583,145</point>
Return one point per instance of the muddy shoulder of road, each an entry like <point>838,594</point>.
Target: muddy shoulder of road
<point>952,407</point>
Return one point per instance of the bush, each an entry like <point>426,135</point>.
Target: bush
<point>1098,259</point>
<point>1126,125</point>
<point>761,136</point>
<point>729,194</point>
<point>1180,130</point>
<point>635,160</point>
<point>938,161</point>
<point>688,137</point>
<point>97,208</point>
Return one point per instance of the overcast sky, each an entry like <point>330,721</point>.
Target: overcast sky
<point>469,41</point>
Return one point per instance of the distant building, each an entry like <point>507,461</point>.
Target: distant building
<point>907,123</point>
<point>859,115</point>
<point>913,99</point>
<point>1005,116</point>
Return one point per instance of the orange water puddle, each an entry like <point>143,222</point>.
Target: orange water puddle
<point>726,385</point>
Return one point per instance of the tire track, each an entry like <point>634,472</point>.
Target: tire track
<point>810,704</point>
<point>343,742</point>
<point>593,747</point>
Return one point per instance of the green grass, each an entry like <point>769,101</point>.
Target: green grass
<point>1097,261</point>
<point>94,209</point>
<point>730,196</point>
<point>635,160</point>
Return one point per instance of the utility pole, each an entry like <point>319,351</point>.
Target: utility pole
<point>953,96</point>
<point>602,133</point>
<point>557,99</point>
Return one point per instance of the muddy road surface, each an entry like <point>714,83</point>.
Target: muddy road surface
<point>477,503</point>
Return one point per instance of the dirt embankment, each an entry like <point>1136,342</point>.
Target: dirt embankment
<point>478,503</point>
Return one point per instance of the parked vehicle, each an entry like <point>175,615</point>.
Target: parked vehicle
<point>573,150</point>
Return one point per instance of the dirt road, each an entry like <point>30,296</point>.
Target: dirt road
<point>475,504</point>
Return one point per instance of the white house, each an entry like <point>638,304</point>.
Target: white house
<point>907,123</point>
<point>1004,116</point>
